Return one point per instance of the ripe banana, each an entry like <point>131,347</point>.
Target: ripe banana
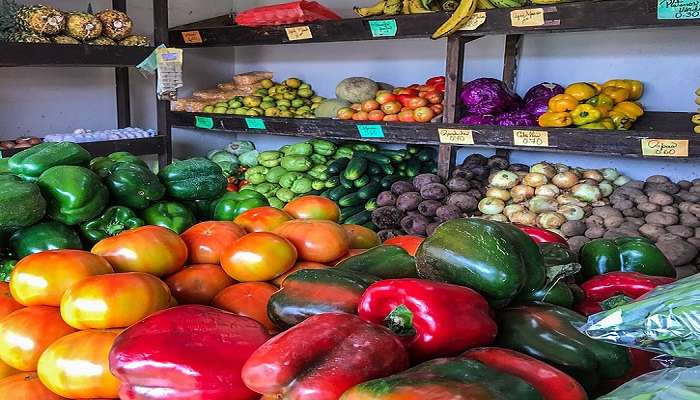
<point>545,2</point>
<point>406,7</point>
<point>457,20</point>
<point>392,7</point>
<point>417,7</point>
<point>508,3</point>
<point>377,9</point>
<point>484,5</point>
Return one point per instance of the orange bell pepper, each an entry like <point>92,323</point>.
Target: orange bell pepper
<point>562,103</point>
<point>632,110</point>
<point>618,94</point>
<point>555,119</point>
<point>635,88</point>
<point>582,91</point>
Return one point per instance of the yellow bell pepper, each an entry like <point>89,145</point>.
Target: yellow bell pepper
<point>697,100</point>
<point>621,121</point>
<point>598,87</point>
<point>554,119</point>
<point>604,110</point>
<point>696,129</point>
<point>618,94</point>
<point>585,114</point>
<point>581,91</point>
<point>621,83</point>
<point>562,103</point>
<point>637,89</point>
<point>608,123</point>
<point>632,110</point>
<point>696,119</point>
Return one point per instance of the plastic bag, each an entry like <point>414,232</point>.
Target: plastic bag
<point>665,320</point>
<point>286,13</point>
<point>667,384</point>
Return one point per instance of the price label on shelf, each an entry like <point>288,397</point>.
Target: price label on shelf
<point>370,131</point>
<point>383,27</point>
<point>192,37</point>
<point>203,122</point>
<point>255,123</point>
<point>664,148</point>
<point>476,20</point>
<point>456,136</point>
<point>678,9</point>
<point>544,16</point>
<point>298,33</point>
<point>530,138</point>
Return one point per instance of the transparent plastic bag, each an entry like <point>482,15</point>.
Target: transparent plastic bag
<point>665,320</point>
<point>667,384</point>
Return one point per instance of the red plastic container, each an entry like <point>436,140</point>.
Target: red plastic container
<point>285,14</point>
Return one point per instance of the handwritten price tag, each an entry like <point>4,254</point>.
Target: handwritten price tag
<point>678,9</point>
<point>664,148</point>
<point>531,138</point>
<point>203,122</point>
<point>370,131</point>
<point>456,136</point>
<point>192,37</point>
<point>476,20</point>
<point>527,18</point>
<point>383,27</point>
<point>255,123</point>
<point>298,33</point>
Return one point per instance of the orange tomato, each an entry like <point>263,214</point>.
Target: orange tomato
<point>385,97</point>
<point>300,265</point>
<point>42,278</point>
<point>206,240</point>
<point>313,207</point>
<point>259,256</point>
<point>198,284</point>
<point>262,219</point>
<point>26,333</point>
<point>370,105</point>
<point>151,249</point>
<point>316,240</point>
<point>248,299</point>
<point>361,237</point>
<point>437,108</point>
<point>8,305</point>
<point>417,102</point>
<point>391,118</point>
<point>406,116</point>
<point>423,114</point>
<point>350,253</point>
<point>25,386</point>
<point>114,300</point>
<point>6,370</point>
<point>360,116</point>
<point>356,106</point>
<point>345,113</point>
<point>409,243</point>
<point>77,366</point>
<point>391,107</point>
<point>376,115</point>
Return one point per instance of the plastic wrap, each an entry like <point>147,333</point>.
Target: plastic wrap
<point>667,384</point>
<point>665,320</point>
<point>286,13</point>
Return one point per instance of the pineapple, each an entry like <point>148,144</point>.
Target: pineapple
<point>116,25</point>
<point>28,37</point>
<point>63,39</point>
<point>41,19</point>
<point>102,41</point>
<point>8,24</point>
<point>136,40</point>
<point>83,26</point>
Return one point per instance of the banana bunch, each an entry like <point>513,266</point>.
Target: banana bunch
<point>696,117</point>
<point>393,7</point>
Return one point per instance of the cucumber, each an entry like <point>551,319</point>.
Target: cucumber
<point>370,191</point>
<point>355,169</point>
<point>344,182</point>
<point>362,182</point>
<point>347,212</point>
<point>336,193</point>
<point>426,154</point>
<point>360,218</point>
<point>374,169</point>
<point>374,157</point>
<point>337,166</point>
<point>350,200</point>
<point>413,149</point>
<point>395,155</point>
<point>413,167</point>
<point>371,205</point>
<point>389,180</point>
<point>364,147</point>
<point>325,193</point>
<point>388,169</point>
<point>371,225</point>
<point>332,182</point>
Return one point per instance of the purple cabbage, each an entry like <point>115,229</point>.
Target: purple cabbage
<point>487,96</point>
<point>537,106</point>
<point>473,119</point>
<point>516,118</point>
<point>543,90</point>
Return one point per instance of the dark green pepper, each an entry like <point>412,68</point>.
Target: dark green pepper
<point>296,163</point>
<point>4,165</point>
<point>31,163</point>
<point>299,149</point>
<point>21,203</point>
<point>6,268</point>
<point>232,204</point>
<point>174,216</point>
<point>125,156</point>
<point>102,165</point>
<point>559,294</point>
<point>133,186</point>
<point>74,194</point>
<point>200,208</point>
<point>44,236</point>
<point>323,147</point>
<point>628,254</point>
<point>111,223</point>
<point>385,261</point>
<point>193,179</point>
<point>557,254</point>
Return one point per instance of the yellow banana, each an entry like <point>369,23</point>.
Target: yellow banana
<point>460,17</point>
<point>696,119</point>
<point>377,9</point>
<point>392,7</point>
<point>416,7</point>
<point>406,7</point>
<point>545,2</point>
<point>484,5</point>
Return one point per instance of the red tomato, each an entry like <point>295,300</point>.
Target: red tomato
<point>439,87</point>
<point>406,116</point>
<point>385,96</point>
<point>77,366</point>
<point>423,114</point>
<point>376,115</point>
<point>26,386</point>
<point>356,106</point>
<point>360,116</point>
<point>391,107</point>
<point>33,284</point>
<point>361,237</point>
<point>316,240</point>
<point>5,371</point>
<point>248,299</point>
<point>114,300</point>
<point>417,102</point>
<point>350,253</point>
<point>8,305</point>
<point>409,91</point>
<point>299,265</point>
<point>370,105</point>
<point>206,240</point>
<point>409,243</point>
<point>198,284</point>
<point>313,207</point>
<point>391,118</point>
<point>436,80</point>
<point>151,249</point>
<point>262,219</point>
<point>259,256</point>
<point>437,108</point>
<point>434,97</point>
<point>405,99</point>
<point>345,113</point>
<point>26,333</point>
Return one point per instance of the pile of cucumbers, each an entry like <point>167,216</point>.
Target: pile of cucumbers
<point>362,170</point>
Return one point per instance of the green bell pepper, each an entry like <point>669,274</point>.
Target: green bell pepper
<point>318,159</point>
<point>193,179</point>
<point>4,165</point>
<point>270,159</point>
<point>232,204</point>
<point>629,254</point>
<point>256,175</point>
<point>276,202</point>
<point>323,147</point>
<point>133,186</point>
<point>344,152</point>
<point>557,254</point>
<point>559,294</point>
<point>174,216</point>
<point>299,149</point>
<point>319,172</point>
<point>302,185</point>
<point>102,165</point>
<point>21,203</point>
<point>44,236</point>
<point>200,208</point>
<point>31,163</point>
<point>74,194</point>
<point>267,189</point>
<point>285,195</point>
<point>296,163</point>
<point>112,222</point>
<point>6,268</point>
<point>274,174</point>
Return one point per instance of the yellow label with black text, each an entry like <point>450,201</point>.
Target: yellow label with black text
<point>527,18</point>
<point>476,20</point>
<point>530,138</point>
<point>456,136</point>
<point>192,37</point>
<point>664,148</point>
<point>298,33</point>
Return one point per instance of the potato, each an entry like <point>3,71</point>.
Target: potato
<point>685,185</point>
<point>648,207</point>
<point>669,210</point>
<point>660,198</point>
<point>457,184</point>
<point>639,199</point>
<point>415,224</point>
<point>661,218</point>
<point>446,213</point>
<point>678,252</point>
<point>694,189</point>
<point>464,201</point>
<point>606,212</point>
<point>617,233</point>
<point>684,206</point>
<point>633,212</point>
<point>639,185</point>
<point>623,205</point>
<point>387,217</point>
<point>613,221</point>
<point>434,191</point>
<point>423,179</point>
<point>630,227</point>
<point>475,159</point>
<point>595,232</point>
<point>685,271</point>
<point>691,197</point>
<point>694,209</point>
<point>461,172</point>
<point>680,230</point>
<point>689,220</point>
<point>658,179</point>
<point>594,220</point>
<point>670,188</point>
<point>408,201</point>
<point>694,241</point>
<point>431,227</point>
<point>573,228</point>
<point>401,187</point>
<point>386,199</point>
<point>387,234</point>
<point>697,233</point>
<point>476,193</point>
<point>695,182</point>
<point>636,221</point>
<point>497,162</point>
<point>629,191</point>
<point>651,232</point>
<point>429,207</point>
<point>576,242</point>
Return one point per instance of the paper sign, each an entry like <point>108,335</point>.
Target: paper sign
<point>678,9</point>
<point>255,123</point>
<point>203,122</point>
<point>664,148</point>
<point>476,20</point>
<point>456,136</point>
<point>383,27</point>
<point>527,17</point>
<point>298,33</point>
<point>191,37</point>
<point>370,131</point>
<point>531,138</point>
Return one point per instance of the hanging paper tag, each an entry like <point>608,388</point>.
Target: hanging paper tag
<point>169,73</point>
<point>255,123</point>
<point>203,122</point>
<point>664,148</point>
<point>476,20</point>
<point>678,9</point>
<point>370,131</point>
<point>530,138</point>
<point>456,136</point>
<point>527,17</point>
<point>298,33</point>
<point>192,37</point>
<point>383,27</point>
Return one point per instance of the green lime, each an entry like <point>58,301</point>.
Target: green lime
<point>208,109</point>
<point>235,104</point>
<point>297,103</point>
<point>231,111</point>
<point>265,105</point>
<point>267,84</point>
<point>258,110</point>
<point>305,93</point>
<point>272,112</point>
<point>292,83</point>
<point>283,102</point>
<point>261,92</point>
<point>285,114</point>
<point>289,96</point>
<point>252,101</point>
<point>241,111</point>
<point>221,105</point>
<point>283,108</point>
<point>252,113</point>
<point>220,110</point>
<point>268,99</point>
<point>304,86</point>
<point>317,99</point>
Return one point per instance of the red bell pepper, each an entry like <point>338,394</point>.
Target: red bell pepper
<point>542,235</point>
<point>433,319</point>
<point>435,81</point>
<point>322,357</point>
<point>190,352</point>
<point>550,382</point>
<point>603,287</point>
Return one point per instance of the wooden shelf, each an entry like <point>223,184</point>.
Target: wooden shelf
<point>565,17</point>
<point>139,147</point>
<point>654,125</point>
<point>70,55</point>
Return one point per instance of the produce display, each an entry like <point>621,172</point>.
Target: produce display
<point>87,135</point>
<point>696,117</point>
<point>20,143</point>
<point>296,12</point>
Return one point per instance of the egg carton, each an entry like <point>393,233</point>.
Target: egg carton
<point>86,135</point>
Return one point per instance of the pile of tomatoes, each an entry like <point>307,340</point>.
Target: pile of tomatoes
<point>63,309</point>
<point>415,103</point>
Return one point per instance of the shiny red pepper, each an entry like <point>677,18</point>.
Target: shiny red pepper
<point>433,319</point>
<point>602,287</point>
<point>541,235</point>
<point>435,81</point>
<point>550,382</point>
